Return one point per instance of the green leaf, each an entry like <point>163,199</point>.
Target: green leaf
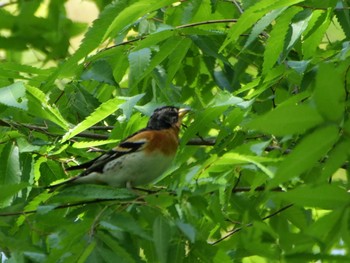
<point>131,13</point>
<point>8,191</point>
<point>299,24</point>
<point>176,58</point>
<point>313,36</point>
<point>10,172</point>
<point>39,106</point>
<point>286,119</point>
<point>104,110</point>
<point>87,252</point>
<point>139,60</point>
<point>154,38</point>
<point>82,145</point>
<point>188,230</point>
<point>130,103</point>
<point>165,50</point>
<point>227,160</point>
<point>86,192</point>
<point>120,254</point>
<point>128,223</point>
<point>92,40</point>
<point>336,158</point>
<point>329,92</point>
<point>253,14</point>
<point>344,19</point>
<point>100,71</point>
<point>324,196</point>
<point>327,229</point>
<point>304,156</point>
<point>202,122</point>
<point>161,237</point>
<point>178,253</point>
<point>14,96</point>
<point>276,41</point>
<point>259,27</point>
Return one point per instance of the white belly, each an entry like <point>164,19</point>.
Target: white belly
<point>131,169</point>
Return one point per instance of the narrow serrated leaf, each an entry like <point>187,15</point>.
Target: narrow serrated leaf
<point>92,40</point>
<point>299,24</point>
<point>336,158</point>
<point>165,50</point>
<point>82,145</point>
<point>161,237</point>
<point>286,120</point>
<point>104,110</point>
<point>329,92</point>
<point>131,13</point>
<point>8,191</point>
<point>316,33</point>
<point>252,15</point>
<point>304,156</point>
<point>119,252</point>
<point>139,60</point>
<point>325,196</point>
<point>276,41</point>
<point>260,26</point>
<point>36,98</point>
<point>10,173</point>
<point>176,58</point>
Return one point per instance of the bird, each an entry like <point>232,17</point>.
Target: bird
<point>138,159</point>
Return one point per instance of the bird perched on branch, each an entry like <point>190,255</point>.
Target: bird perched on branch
<point>140,158</point>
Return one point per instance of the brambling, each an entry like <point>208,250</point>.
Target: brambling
<point>140,158</point>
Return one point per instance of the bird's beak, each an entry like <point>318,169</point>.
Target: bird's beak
<point>183,112</point>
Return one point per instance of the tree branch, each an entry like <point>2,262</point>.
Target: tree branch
<point>95,136</point>
<point>177,27</point>
<point>250,224</point>
<point>17,213</point>
<point>207,23</point>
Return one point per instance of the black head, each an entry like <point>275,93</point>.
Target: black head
<point>164,118</point>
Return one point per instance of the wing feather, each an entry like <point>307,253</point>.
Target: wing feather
<point>97,164</point>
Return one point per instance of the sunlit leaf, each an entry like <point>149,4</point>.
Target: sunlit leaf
<point>104,110</point>
<point>329,92</point>
<point>311,149</point>
<point>287,119</point>
<point>14,96</point>
<point>333,197</point>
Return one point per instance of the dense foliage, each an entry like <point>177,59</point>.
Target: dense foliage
<point>262,171</point>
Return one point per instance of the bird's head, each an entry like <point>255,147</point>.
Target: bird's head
<point>166,117</point>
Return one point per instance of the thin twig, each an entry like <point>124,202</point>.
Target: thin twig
<point>128,42</point>
<point>58,207</point>
<point>238,6</point>
<point>250,224</point>
<point>257,189</point>
<point>207,23</point>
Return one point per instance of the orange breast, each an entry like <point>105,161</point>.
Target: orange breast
<point>166,141</point>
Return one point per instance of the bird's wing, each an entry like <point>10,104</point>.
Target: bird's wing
<point>130,145</point>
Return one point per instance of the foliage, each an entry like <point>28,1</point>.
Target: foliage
<point>267,81</point>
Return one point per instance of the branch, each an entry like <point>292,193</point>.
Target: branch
<point>17,213</point>
<point>257,189</point>
<point>207,23</point>
<point>177,27</point>
<point>95,136</point>
<point>238,6</point>
<point>250,224</point>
